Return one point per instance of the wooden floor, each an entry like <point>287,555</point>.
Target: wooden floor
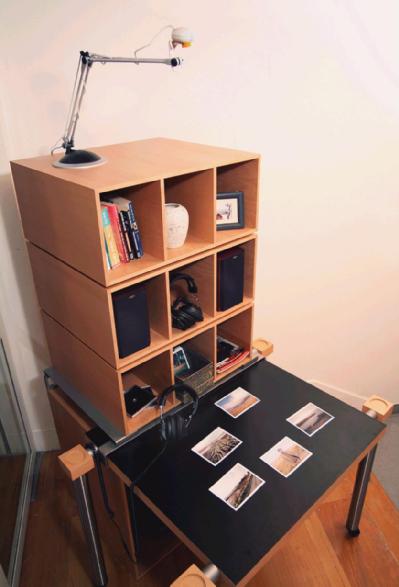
<point>11,474</point>
<point>318,553</point>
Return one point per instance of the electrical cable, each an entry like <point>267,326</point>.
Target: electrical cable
<point>168,26</point>
<point>97,461</point>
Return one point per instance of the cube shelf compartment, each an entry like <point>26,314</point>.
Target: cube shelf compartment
<point>237,329</point>
<point>241,177</point>
<point>196,192</point>
<point>148,208</point>
<point>203,273</point>
<point>85,308</point>
<point>60,209</point>
<point>61,217</point>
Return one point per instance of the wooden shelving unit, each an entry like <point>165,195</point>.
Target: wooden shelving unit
<point>61,216</point>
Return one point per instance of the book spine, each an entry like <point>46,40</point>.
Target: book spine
<point>110,239</point>
<point>125,230</point>
<point>117,230</point>
<point>130,234</point>
<point>107,254</point>
<point>135,231</point>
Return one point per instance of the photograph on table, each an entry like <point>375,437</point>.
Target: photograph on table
<point>286,456</point>
<point>237,486</point>
<point>216,446</point>
<point>237,402</point>
<point>310,419</point>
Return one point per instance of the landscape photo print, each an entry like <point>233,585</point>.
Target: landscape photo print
<point>237,402</point>
<point>310,419</point>
<point>216,446</point>
<point>286,456</point>
<point>237,486</point>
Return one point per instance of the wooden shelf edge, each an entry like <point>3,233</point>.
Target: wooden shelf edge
<point>174,263</point>
<point>186,335</point>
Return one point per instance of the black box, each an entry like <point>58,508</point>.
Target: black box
<point>230,278</point>
<point>131,319</point>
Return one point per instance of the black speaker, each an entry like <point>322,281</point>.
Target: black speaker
<point>131,319</point>
<point>230,275</point>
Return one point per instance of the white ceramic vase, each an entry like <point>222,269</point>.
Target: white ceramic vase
<point>177,221</point>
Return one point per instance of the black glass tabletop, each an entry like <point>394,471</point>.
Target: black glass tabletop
<point>237,527</point>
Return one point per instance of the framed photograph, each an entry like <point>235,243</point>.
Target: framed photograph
<point>286,456</point>
<point>237,486</point>
<point>310,419</point>
<point>237,402</point>
<point>215,447</point>
<point>229,210</point>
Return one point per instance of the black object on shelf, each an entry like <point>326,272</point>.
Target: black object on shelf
<point>131,319</point>
<point>230,278</point>
<point>137,398</point>
<point>186,311</point>
<point>199,375</point>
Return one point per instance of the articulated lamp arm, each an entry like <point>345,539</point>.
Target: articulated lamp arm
<point>79,158</point>
<point>86,60</point>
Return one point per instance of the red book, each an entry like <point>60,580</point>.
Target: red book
<point>117,231</point>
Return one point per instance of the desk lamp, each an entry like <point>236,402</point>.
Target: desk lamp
<point>78,158</point>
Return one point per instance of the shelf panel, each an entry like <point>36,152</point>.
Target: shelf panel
<point>246,303</point>
<point>192,246</point>
<point>225,236</point>
<point>178,335</point>
<point>132,269</point>
<point>147,416</point>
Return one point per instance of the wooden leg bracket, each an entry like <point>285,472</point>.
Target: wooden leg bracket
<point>264,347</point>
<point>382,408</point>
<point>193,577</point>
<point>76,462</point>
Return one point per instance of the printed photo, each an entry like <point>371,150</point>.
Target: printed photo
<point>286,456</point>
<point>310,419</point>
<point>227,211</point>
<point>237,402</point>
<point>236,486</point>
<point>215,447</point>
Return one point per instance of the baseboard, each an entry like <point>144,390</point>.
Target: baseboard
<point>45,439</point>
<point>353,399</point>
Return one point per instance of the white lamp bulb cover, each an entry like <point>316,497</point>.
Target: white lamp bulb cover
<point>182,35</point>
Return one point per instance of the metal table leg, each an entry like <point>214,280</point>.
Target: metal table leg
<point>359,493</point>
<point>89,525</point>
<point>77,462</point>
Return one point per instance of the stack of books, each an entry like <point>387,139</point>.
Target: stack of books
<point>121,233</point>
<point>229,354</point>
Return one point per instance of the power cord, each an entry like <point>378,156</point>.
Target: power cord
<point>97,461</point>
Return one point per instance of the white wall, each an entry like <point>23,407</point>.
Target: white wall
<point>312,86</point>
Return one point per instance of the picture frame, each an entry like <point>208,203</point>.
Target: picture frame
<point>229,210</point>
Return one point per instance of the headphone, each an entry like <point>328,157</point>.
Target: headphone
<point>185,313</point>
<point>174,426</point>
